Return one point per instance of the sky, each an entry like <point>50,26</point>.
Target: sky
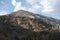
<point>50,8</point>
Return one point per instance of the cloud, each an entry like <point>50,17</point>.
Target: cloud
<point>3,13</point>
<point>56,6</point>
<point>45,3</point>
<point>17,5</point>
<point>49,6</point>
<point>14,2</point>
<point>31,1</point>
<point>35,8</point>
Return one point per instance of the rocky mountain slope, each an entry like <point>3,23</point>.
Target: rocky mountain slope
<point>24,25</point>
<point>48,20</point>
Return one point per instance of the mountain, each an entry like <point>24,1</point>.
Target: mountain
<point>32,20</point>
<point>48,20</point>
<point>24,25</point>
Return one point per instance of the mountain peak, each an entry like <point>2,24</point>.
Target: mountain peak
<point>22,13</point>
<point>48,20</point>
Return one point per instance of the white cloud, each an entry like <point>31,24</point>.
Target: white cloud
<point>35,8</point>
<point>14,2</point>
<point>50,6</point>
<point>47,6</point>
<point>17,5</point>
<point>31,1</point>
<point>3,13</point>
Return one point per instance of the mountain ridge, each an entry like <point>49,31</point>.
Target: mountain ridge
<point>19,26</point>
<point>32,15</point>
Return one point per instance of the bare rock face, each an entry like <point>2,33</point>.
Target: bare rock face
<point>23,25</point>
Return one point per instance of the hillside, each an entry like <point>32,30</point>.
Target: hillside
<point>23,25</point>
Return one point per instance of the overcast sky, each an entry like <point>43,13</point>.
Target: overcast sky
<point>49,8</point>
